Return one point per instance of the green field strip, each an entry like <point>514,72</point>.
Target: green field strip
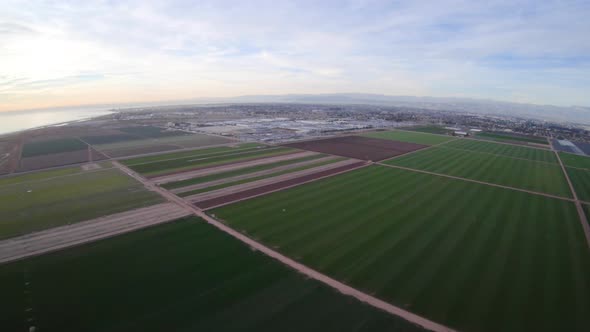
<point>163,167</point>
<point>33,149</point>
<point>470,256</point>
<point>574,160</point>
<point>506,150</point>
<point>508,138</point>
<point>429,130</point>
<point>411,137</point>
<point>37,176</point>
<point>174,281</point>
<point>189,154</point>
<point>193,140</point>
<point>256,178</point>
<point>518,173</point>
<point>581,181</point>
<point>35,206</point>
<point>241,171</point>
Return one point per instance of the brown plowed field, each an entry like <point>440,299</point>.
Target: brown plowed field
<point>214,202</point>
<point>358,147</point>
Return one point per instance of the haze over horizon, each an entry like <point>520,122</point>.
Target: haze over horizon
<point>56,54</point>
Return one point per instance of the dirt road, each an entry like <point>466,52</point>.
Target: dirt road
<point>345,289</point>
<point>88,231</point>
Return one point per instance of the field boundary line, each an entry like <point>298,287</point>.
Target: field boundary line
<point>418,150</point>
<point>303,269</point>
<point>502,155</point>
<point>581,214</point>
<point>480,140</point>
<point>285,188</point>
<point>480,182</point>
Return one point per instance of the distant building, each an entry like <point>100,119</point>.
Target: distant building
<point>460,133</point>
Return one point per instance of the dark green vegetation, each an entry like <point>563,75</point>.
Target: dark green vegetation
<point>411,137</point>
<point>431,130</point>
<point>106,139</point>
<point>507,150</point>
<point>151,132</point>
<point>581,181</point>
<point>32,149</point>
<point>181,276</point>
<point>499,169</point>
<point>471,256</point>
<point>44,203</point>
<point>36,176</point>
<point>261,177</point>
<point>573,160</point>
<point>207,152</point>
<point>512,137</point>
<point>241,171</point>
<point>197,161</point>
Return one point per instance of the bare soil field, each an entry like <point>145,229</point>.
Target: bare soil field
<point>358,147</point>
<point>87,231</point>
<point>219,201</point>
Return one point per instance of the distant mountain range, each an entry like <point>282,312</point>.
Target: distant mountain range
<point>573,114</point>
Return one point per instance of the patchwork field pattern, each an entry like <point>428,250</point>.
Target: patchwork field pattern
<point>470,256</point>
<point>44,203</point>
<point>500,169</point>
<point>358,147</point>
<point>174,163</point>
<point>506,150</point>
<point>411,137</point>
<point>187,286</point>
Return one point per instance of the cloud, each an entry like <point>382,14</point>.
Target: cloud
<point>510,50</point>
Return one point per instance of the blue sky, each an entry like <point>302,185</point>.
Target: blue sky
<point>60,53</point>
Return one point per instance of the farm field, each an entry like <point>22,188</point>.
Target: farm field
<point>357,147</point>
<point>430,130</point>
<point>504,150</point>
<point>186,287</point>
<point>512,137</point>
<point>411,137</point>
<point>572,160</point>
<point>37,204</point>
<point>151,132</point>
<point>241,171</point>
<point>59,159</point>
<point>470,256</point>
<point>32,149</point>
<point>519,173</point>
<point>164,143</point>
<point>581,181</point>
<point>176,164</point>
<point>261,177</point>
<point>41,175</point>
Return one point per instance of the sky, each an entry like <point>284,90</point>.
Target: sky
<point>63,53</point>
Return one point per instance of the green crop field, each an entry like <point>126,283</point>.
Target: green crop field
<point>32,149</point>
<point>151,132</point>
<point>573,160</point>
<point>192,162</point>
<point>207,152</point>
<point>181,276</point>
<point>242,171</point>
<point>509,137</point>
<point>261,177</point>
<point>581,181</point>
<point>430,129</point>
<point>36,205</point>
<point>471,256</point>
<point>36,176</point>
<point>498,169</point>
<point>412,137</point>
<point>504,150</point>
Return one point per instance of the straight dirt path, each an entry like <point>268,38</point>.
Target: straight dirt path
<point>335,284</point>
<point>87,231</point>
<point>581,213</point>
<point>480,182</point>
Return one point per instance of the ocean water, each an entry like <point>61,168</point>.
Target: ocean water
<point>21,120</point>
